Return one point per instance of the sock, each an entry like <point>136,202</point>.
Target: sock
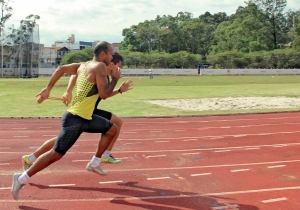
<point>106,154</point>
<point>95,161</point>
<point>32,158</point>
<point>23,178</point>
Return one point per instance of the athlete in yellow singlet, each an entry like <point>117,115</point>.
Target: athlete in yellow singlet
<point>79,118</point>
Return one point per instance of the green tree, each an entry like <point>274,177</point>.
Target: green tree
<point>296,43</point>
<point>274,20</point>
<point>78,56</point>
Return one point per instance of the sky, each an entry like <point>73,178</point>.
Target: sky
<point>92,20</point>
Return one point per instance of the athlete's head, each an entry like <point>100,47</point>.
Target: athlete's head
<point>103,52</point>
<point>115,63</point>
<point>117,59</point>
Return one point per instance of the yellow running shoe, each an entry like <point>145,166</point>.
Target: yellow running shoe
<point>110,159</point>
<point>26,162</point>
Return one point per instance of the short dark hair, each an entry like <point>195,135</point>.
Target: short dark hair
<point>116,58</point>
<point>100,47</point>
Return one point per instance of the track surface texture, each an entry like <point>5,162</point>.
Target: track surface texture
<point>246,162</point>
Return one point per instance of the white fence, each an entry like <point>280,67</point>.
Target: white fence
<point>248,71</point>
<point>134,72</point>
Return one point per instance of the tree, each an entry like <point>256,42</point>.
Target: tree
<point>78,56</point>
<point>5,15</point>
<point>274,20</point>
<point>296,43</point>
<point>22,37</point>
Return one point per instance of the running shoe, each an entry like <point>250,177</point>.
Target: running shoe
<point>97,170</point>
<point>16,186</point>
<point>26,162</point>
<point>110,159</point>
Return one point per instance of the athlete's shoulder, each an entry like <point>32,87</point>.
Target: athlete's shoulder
<point>98,66</point>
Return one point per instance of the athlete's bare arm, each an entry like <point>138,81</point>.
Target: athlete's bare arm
<point>67,96</point>
<point>57,74</point>
<point>97,74</point>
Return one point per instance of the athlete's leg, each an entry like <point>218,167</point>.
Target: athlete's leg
<point>118,122</point>
<point>47,146</point>
<point>29,159</point>
<point>99,124</point>
<point>70,132</point>
<point>72,127</point>
<point>107,157</point>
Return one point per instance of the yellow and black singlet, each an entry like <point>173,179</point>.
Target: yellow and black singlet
<point>86,96</point>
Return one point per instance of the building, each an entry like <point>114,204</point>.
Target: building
<point>116,47</point>
<point>51,56</point>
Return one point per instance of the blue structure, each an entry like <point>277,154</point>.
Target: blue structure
<point>83,45</point>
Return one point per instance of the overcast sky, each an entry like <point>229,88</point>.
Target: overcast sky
<point>92,20</point>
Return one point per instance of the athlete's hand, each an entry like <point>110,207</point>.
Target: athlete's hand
<point>116,73</point>
<point>67,98</point>
<point>126,86</point>
<point>43,95</point>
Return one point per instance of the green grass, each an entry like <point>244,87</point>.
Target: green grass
<point>17,96</point>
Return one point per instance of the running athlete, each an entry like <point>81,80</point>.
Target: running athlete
<point>92,83</point>
<point>67,97</point>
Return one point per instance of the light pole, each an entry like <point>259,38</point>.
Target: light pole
<point>1,52</point>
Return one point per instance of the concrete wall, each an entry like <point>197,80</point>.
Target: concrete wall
<point>134,72</point>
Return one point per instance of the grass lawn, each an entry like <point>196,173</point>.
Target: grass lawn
<point>17,96</point>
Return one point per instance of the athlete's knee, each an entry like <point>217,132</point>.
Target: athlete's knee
<point>118,122</point>
<point>113,130</point>
<point>54,156</point>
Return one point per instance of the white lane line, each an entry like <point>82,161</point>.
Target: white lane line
<point>80,161</point>
<point>204,174</point>
<point>154,197</point>
<point>111,182</point>
<point>155,131</point>
<point>207,166</point>
<point>158,178</point>
<point>154,156</point>
<point>132,143</point>
<point>196,153</point>
<point>4,164</point>
<point>21,136</point>
<point>246,126</point>
<point>61,185</point>
<point>239,135</point>
<point>129,132</point>
<point>223,150</point>
<point>212,137</point>
<point>4,147</point>
<point>279,166</point>
<point>279,145</point>
<point>5,188</point>
<point>161,141</point>
<point>191,140</point>
<point>226,127</point>
<point>229,206</point>
<point>274,200</point>
<point>252,148</point>
<point>240,170</point>
<point>45,127</point>
<point>179,130</point>
<point>49,135</point>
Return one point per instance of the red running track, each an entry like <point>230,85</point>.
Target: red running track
<point>222,162</point>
